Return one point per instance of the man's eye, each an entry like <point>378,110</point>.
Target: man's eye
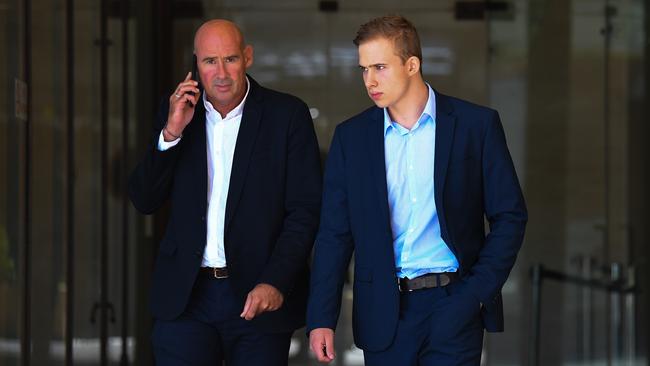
<point>380,67</point>
<point>230,59</point>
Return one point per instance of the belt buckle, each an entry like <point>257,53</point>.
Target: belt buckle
<point>399,286</point>
<point>215,272</point>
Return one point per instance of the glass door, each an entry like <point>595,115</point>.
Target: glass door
<point>13,165</point>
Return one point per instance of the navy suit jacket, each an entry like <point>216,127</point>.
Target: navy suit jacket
<point>474,179</point>
<point>272,207</point>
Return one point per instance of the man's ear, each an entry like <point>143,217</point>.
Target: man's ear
<point>248,55</point>
<point>413,65</point>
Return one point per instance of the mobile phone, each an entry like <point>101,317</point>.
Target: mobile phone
<point>195,74</point>
<point>195,70</point>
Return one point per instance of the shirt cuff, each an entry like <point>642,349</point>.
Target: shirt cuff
<point>165,145</point>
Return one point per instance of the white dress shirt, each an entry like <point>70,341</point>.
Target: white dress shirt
<point>221,134</point>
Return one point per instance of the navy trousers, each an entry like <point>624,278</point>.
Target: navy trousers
<point>210,332</point>
<point>437,327</point>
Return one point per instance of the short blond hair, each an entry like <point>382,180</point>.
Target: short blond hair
<point>395,28</point>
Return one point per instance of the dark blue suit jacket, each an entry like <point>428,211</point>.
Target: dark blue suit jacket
<point>474,178</point>
<point>272,207</point>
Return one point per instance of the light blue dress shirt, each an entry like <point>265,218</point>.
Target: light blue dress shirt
<point>409,155</point>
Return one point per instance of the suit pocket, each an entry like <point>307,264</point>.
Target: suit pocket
<point>362,274</point>
<point>168,246</point>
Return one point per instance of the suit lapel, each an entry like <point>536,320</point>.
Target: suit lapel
<point>377,160</point>
<point>445,125</point>
<point>246,137</point>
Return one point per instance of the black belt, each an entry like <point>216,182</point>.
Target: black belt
<point>216,272</point>
<point>428,280</point>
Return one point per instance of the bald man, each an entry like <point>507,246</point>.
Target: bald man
<point>240,165</point>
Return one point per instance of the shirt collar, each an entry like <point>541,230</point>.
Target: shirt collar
<point>429,110</point>
<point>236,112</point>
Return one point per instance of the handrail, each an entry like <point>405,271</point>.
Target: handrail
<point>617,285</point>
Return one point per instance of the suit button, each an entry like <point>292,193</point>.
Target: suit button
<point>202,218</point>
<point>197,253</point>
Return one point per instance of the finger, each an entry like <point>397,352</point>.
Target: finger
<point>178,102</point>
<point>322,355</point>
<point>253,311</point>
<point>188,76</point>
<point>247,306</point>
<point>192,99</point>
<point>186,88</point>
<point>184,99</point>
<point>189,99</point>
<point>317,349</point>
<point>329,347</point>
<point>183,85</point>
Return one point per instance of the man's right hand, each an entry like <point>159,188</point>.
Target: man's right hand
<point>321,342</point>
<point>181,108</point>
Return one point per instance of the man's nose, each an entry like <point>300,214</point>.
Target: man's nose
<point>220,70</point>
<point>369,79</point>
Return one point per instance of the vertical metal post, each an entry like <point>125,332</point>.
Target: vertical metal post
<point>588,311</point>
<point>606,31</point>
<point>70,167</point>
<point>580,316</point>
<point>616,330</point>
<point>536,316</point>
<point>26,339</point>
<point>103,256</point>
<point>124,7</point>
<point>630,316</point>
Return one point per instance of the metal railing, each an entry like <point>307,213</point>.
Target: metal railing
<point>617,281</point>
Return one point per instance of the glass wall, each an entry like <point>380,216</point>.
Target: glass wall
<point>12,179</point>
<point>565,76</point>
<point>75,236</point>
<point>48,181</point>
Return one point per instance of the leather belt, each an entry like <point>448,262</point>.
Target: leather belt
<point>428,280</point>
<point>216,272</point>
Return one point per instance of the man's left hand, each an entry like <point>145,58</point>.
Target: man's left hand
<point>262,298</point>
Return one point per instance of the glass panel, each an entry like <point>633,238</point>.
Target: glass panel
<point>48,188</point>
<point>117,266</point>
<point>87,199</point>
<point>507,73</point>
<point>565,101</point>
<point>12,187</point>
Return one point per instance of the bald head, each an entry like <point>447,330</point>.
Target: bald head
<point>222,60</point>
<point>223,28</point>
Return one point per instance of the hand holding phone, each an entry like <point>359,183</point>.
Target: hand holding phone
<point>181,107</point>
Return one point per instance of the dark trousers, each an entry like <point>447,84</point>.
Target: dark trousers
<point>210,332</point>
<point>437,327</point>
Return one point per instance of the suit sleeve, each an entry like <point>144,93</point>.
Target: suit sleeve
<point>505,211</point>
<point>334,245</point>
<point>151,181</point>
<point>302,204</point>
